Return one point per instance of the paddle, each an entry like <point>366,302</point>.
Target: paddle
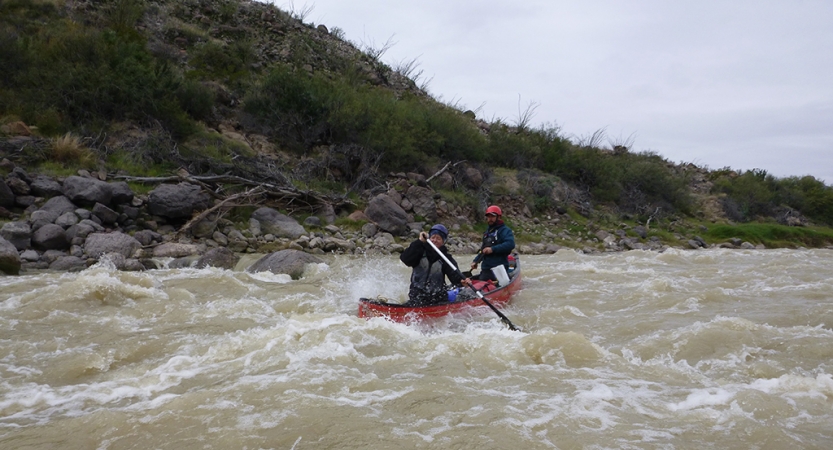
<point>479,294</point>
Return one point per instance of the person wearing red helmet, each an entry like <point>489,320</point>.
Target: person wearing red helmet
<point>429,271</point>
<point>498,243</point>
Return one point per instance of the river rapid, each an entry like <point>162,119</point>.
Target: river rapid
<point>729,349</point>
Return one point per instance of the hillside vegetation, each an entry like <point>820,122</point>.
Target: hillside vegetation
<point>236,87</point>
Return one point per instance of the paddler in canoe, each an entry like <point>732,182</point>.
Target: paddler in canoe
<point>429,272</point>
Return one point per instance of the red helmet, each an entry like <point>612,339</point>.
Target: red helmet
<point>494,210</point>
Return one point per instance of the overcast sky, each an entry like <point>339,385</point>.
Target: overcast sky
<point>740,83</point>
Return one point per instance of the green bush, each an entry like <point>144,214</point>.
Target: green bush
<point>87,77</point>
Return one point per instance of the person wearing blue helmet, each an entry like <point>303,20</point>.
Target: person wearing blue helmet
<point>429,271</point>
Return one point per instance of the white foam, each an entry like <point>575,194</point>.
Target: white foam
<point>703,397</point>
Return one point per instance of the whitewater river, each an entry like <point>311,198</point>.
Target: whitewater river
<point>723,349</point>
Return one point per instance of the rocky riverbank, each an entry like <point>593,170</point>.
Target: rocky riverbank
<point>67,224</point>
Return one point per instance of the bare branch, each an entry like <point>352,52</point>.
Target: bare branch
<point>525,116</point>
<point>621,144</point>
<point>299,14</point>
<point>227,203</point>
<point>374,52</point>
<point>446,167</point>
<point>594,140</point>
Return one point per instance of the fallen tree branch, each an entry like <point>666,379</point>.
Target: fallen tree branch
<point>287,195</point>
<point>440,172</point>
<point>247,195</point>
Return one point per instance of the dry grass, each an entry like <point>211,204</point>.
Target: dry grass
<point>69,149</point>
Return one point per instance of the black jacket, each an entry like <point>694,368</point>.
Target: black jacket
<point>429,273</point>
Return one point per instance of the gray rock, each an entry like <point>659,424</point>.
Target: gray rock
<point>51,256</point>
<point>369,229</point>
<point>68,264</point>
<point>204,228</point>
<point>312,221</point>
<point>106,214</point>
<point>42,217</point>
<point>290,262</point>
<point>87,191</point>
<point>58,205</point>
<point>6,197</point>
<point>67,220</point>
<point>131,212</point>
<point>18,186</point>
<point>640,231</point>
<point>18,234</point>
<point>81,230</point>
<point>83,213</point>
<point>280,225</point>
<point>177,201</point>
<point>220,238</point>
<point>218,257</point>
<point>388,215</point>
<point>9,258</point>
<point>121,193</point>
<point>29,256</point>
<point>423,202</point>
<point>50,237</point>
<point>44,186</point>
<point>24,201</point>
<point>98,244</point>
<point>147,237</point>
<point>174,250</point>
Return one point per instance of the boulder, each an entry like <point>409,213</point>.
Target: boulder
<point>358,216</point>
<point>369,229</point>
<point>218,257</point>
<point>9,258</point>
<point>121,193</point>
<point>44,186</point>
<point>147,237</point>
<point>18,186</point>
<point>18,234</point>
<point>58,205</point>
<point>177,201</point>
<point>106,214</point>
<point>67,219</point>
<point>175,250</point>
<point>6,195</point>
<point>98,244</point>
<point>50,237</point>
<point>290,262</point>
<point>277,224</point>
<point>387,214</point>
<point>312,221</point>
<point>68,264</point>
<point>87,191</point>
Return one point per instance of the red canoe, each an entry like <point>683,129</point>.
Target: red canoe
<point>498,297</point>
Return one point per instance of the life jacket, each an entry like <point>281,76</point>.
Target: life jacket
<point>427,280</point>
<point>489,238</point>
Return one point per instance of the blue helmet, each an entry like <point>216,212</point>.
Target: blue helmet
<point>439,229</point>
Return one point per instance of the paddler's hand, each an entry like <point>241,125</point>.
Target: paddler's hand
<point>473,265</point>
<point>487,251</point>
<point>423,236</point>
<point>466,282</point>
